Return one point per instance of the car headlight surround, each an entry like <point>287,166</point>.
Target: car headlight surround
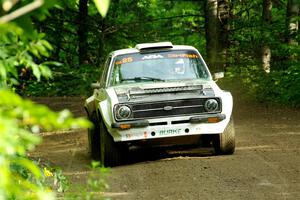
<point>123,112</point>
<point>211,105</point>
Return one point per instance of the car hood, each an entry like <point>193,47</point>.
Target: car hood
<point>163,91</point>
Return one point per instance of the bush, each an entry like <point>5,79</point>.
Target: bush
<point>279,86</point>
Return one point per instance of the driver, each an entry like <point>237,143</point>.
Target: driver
<point>179,67</point>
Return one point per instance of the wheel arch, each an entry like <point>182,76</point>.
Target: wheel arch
<point>89,106</point>
<point>105,113</point>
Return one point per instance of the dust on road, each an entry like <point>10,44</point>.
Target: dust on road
<point>266,164</point>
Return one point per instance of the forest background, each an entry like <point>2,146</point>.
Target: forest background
<point>254,40</point>
<point>58,50</point>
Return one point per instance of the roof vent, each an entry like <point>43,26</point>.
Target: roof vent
<point>151,46</point>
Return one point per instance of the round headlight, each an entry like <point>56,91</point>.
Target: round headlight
<point>211,105</point>
<point>123,112</point>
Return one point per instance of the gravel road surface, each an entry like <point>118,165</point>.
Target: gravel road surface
<point>266,164</point>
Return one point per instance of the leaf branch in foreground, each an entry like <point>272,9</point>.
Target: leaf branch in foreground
<point>21,11</point>
<point>19,118</point>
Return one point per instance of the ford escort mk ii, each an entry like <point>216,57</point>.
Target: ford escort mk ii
<point>157,94</point>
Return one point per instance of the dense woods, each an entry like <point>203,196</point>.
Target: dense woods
<point>256,40</point>
<point>57,48</point>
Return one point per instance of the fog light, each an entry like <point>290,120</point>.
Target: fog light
<point>213,119</point>
<point>125,126</point>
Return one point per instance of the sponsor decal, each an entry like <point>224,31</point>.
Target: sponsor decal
<point>129,136</point>
<point>198,129</point>
<point>183,55</point>
<point>150,57</point>
<point>169,132</point>
<point>174,55</point>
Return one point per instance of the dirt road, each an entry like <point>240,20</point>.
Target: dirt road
<point>266,164</point>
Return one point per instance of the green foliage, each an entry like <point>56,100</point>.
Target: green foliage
<point>95,184</point>
<point>248,35</point>
<point>18,120</point>
<point>66,81</point>
<point>54,178</point>
<point>181,21</point>
<point>278,86</point>
<point>23,56</point>
<point>18,56</point>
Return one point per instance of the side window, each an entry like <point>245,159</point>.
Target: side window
<point>104,72</point>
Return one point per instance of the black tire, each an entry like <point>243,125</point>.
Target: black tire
<point>94,138</point>
<point>112,154</point>
<point>224,143</point>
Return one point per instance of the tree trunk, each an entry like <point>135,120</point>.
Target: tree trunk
<point>224,13</point>
<point>212,33</point>
<point>100,42</point>
<point>265,50</point>
<point>217,15</point>
<point>59,35</point>
<point>82,31</point>
<point>292,23</point>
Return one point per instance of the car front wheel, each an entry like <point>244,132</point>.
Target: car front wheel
<point>224,143</point>
<point>94,138</point>
<point>112,154</point>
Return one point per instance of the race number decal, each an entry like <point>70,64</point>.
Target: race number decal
<point>124,60</point>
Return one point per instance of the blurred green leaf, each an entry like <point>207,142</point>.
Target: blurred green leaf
<point>102,6</point>
<point>2,71</point>
<point>36,71</point>
<point>41,49</point>
<point>45,71</point>
<point>46,44</point>
<point>28,164</point>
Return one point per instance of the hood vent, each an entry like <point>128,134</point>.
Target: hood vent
<point>159,93</point>
<point>167,89</point>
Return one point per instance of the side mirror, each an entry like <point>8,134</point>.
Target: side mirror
<point>95,85</point>
<point>218,75</point>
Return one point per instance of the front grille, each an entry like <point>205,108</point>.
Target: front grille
<point>148,110</point>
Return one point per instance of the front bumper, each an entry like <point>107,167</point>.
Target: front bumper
<point>144,123</point>
<point>168,127</point>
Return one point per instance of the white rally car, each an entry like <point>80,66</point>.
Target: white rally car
<point>157,94</point>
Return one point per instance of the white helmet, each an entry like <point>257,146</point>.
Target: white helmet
<point>179,67</point>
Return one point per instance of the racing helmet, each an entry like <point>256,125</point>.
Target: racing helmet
<point>179,67</point>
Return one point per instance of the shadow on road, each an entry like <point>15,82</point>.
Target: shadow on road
<point>140,155</point>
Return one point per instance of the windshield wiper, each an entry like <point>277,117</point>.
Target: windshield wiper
<point>143,78</point>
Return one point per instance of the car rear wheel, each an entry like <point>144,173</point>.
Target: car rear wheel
<point>224,143</point>
<point>112,154</point>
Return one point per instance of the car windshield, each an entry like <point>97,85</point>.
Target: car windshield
<point>161,66</point>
